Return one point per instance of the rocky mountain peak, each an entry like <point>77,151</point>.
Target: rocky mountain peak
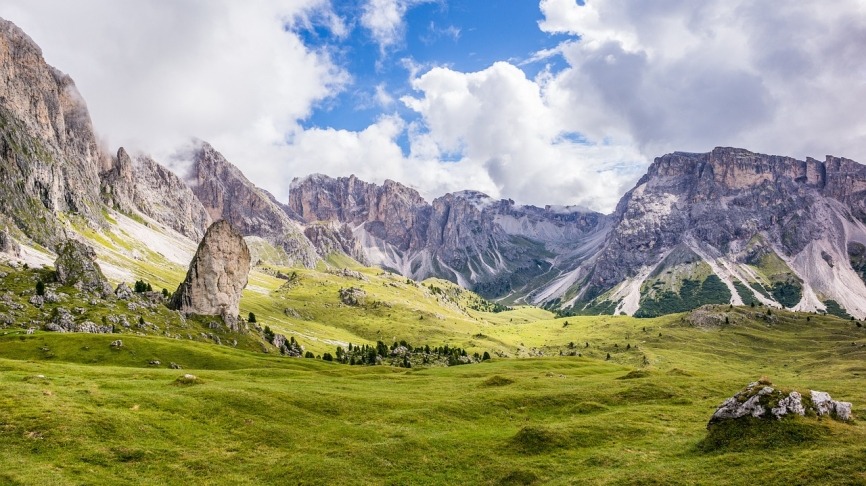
<point>47,143</point>
<point>227,194</point>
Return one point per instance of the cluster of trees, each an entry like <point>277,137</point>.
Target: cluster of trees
<point>142,286</point>
<point>404,355</point>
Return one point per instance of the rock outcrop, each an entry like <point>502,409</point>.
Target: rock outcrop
<point>226,194</point>
<point>49,157</point>
<point>217,275</point>
<point>8,244</point>
<point>76,265</point>
<point>761,400</point>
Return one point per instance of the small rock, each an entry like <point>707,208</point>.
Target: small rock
<point>154,362</point>
<point>37,300</point>
<point>175,366</point>
<point>123,291</point>
<point>117,344</point>
<point>31,330</point>
<point>353,296</point>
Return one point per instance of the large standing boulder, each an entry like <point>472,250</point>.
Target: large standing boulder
<point>76,265</point>
<point>217,274</point>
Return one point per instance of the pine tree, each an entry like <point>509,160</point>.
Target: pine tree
<point>40,288</point>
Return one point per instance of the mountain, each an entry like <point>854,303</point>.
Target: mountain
<point>139,184</point>
<point>729,226</point>
<point>49,157</point>
<point>227,194</point>
<point>497,248</point>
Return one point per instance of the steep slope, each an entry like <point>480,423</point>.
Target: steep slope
<point>49,158</point>
<point>497,248</point>
<point>227,194</point>
<point>774,230</point>
<point>140,184</point>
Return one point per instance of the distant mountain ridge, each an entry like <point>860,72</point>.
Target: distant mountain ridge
<point>727,226</point>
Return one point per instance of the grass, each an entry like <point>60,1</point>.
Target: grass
<point>601,400</point>
<point>99,415</point>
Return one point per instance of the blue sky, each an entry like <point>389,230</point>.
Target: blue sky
<point>463,35</point>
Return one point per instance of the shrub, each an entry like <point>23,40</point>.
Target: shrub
<point>327,357</point>
<point>485,356</point>
<point>40,288</point>
<point>252,317</point>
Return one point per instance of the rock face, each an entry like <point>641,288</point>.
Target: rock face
<point>217,274</point>
<point>138,183</point>
<point>49,158</point>
<point>496,247</point>
<point>771,229</point>
<point>761,400</point>
<point>226,194</point>
<point>76,265</point>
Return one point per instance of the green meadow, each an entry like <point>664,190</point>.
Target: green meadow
<point>574,400</point>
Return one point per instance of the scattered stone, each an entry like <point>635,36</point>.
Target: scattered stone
<point>117,344</point>
<point>825,405</point>
<point>51,297</point>
<point>123,291</point>
<point>175,366</point>
<point>31,330</point>
<point>76,264</point>
<point>93,328</point>
<point>154,362</point>
<point>63,319</point>
<point>760,400</point>
<point>353,296</point>
<point>37,300</point>
<point>217,274</point>
<point>187,379</point>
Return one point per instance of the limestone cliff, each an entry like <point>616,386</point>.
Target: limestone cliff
<point>49,158</point>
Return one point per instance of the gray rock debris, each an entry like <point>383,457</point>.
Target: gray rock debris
<point>760,400</point>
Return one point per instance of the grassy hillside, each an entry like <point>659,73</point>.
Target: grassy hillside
<point>572,400</point>
<point>91,414</point>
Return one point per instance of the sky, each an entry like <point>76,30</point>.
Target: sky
<point>552,102</point>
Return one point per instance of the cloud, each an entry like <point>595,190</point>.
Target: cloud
<point>503,125</point>
<point>676,75</point>
<point>639,79</point>
<point>385,20</point>
<point>156,73</point>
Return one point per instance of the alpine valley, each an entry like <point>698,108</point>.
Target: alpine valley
<point>596,345</point>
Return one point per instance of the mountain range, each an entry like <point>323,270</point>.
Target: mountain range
<point>727,226</point>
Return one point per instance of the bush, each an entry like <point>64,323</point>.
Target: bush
<point>40,288</point>
<point>327,357</point>
<point>252,317</point>
<point>485,356</point>
<point>309,354</point>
